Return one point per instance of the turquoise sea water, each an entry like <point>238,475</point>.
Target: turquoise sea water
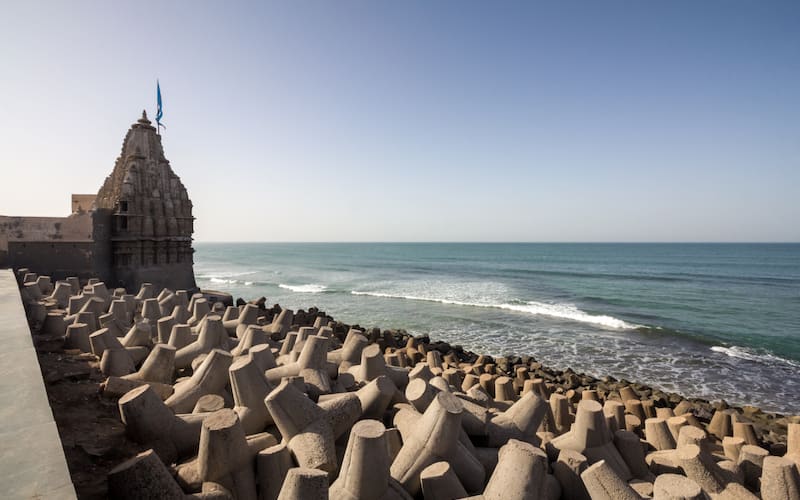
<point>705,320</point>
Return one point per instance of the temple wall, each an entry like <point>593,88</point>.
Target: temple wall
<point>178,276</point>
<point>54,246</point>
<point>82,202</point>
<point>57,259</point>
<point>76,228</point>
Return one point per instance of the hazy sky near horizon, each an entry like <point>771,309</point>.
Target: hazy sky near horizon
<point>419,121</point>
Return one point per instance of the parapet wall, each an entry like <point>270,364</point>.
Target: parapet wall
<point>75,227</point>
<point>32,462</point>
<point>54,246</point>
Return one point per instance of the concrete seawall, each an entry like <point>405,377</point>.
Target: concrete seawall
<point>32,463</point>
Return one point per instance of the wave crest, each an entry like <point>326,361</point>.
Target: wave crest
<point>309,288</point>
<point>225,281</point>
<point>736,351</point>
<point>563,311</point>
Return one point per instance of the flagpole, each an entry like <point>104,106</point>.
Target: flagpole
<point>158,108</point>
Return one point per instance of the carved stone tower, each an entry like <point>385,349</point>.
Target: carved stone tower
<point>147,214</point>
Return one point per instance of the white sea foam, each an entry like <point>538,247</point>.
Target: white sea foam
<point>309,288</point>
<point>564,311</point>
<point>218,275</point>
<point>223,280</point>
<point>736,351</point>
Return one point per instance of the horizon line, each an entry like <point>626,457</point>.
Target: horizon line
<point>507,242</point>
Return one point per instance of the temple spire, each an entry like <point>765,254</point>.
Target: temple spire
<point>144,119</point>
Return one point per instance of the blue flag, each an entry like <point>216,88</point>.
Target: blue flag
<point>160,112</point>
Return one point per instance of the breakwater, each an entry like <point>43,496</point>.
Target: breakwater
<point>240,400</point>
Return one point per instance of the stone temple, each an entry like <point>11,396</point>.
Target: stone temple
<point>137,228</point>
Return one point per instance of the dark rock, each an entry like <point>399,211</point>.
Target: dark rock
<point>442,347</point>
<point>720,405</point>
<point>777,449</point>
<point>260,302</point>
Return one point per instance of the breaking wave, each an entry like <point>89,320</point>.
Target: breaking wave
<point>735,351</point>
<point>563,311</point>
<point>309,288</point>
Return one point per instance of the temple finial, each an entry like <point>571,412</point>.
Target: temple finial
<point>144,119</point>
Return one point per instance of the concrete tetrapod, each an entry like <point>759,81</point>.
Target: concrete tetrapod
<point>466,461</point>
<point>304,484</point>
<point>61,294</point>
<point>188,473</point>
<point>262,355</point>
<point>223,454</point>
<point>138,335</point>
<point>248,316</point>
<point>166,301</point>
<point>676,487</point>
<point>164,328</point>
<point>281,324</point>
<point>702,469</point>
<point>721,424</point>
<point>376,396</point>
<point>273,464</point>
<point>157,367</point>
<point>364,474</point>
<point>151,311</point>
<point>616,411</point>
<point>793,443</point>
<point>751,459</point>
<point>435,438</point>
<point>559,411</point>
<point>116,362</point>
<point>631,450</point>
<point>253,336</point>
<point>211,377</point>
<point>303,333</point>
<point>567,470</point>
<point>77,337</point>
<point>146,291</point>
<point>731,447</point>
<point>420,393</point>
<point>603,483</point>
<point>149,421</point>
<point>668,461</point>
<point>658,434</point>
<point>180,314</point>
<point>373,365</point>
<point>209,404</point>
<point>249,390</point>
<point>200,309</point>
<point>350,352</point>
<point>231,313</point>
<point>312,365</point>
<point>107,321</point>
<point>520,473</point>
<point>746,431</point>
<point>439,482</point>
<point>310,430</point>
<point>591,437</point>
<point>211,336</point>
<point>519,422</point>
<point>143,477</point>
<point>180,336</point>
<point>780,479</point>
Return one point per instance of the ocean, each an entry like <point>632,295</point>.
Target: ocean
<point>717,321</point>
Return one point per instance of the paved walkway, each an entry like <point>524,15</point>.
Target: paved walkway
<point>32,463</point>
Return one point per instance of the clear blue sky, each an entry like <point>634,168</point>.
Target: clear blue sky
<point>419,121</point>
